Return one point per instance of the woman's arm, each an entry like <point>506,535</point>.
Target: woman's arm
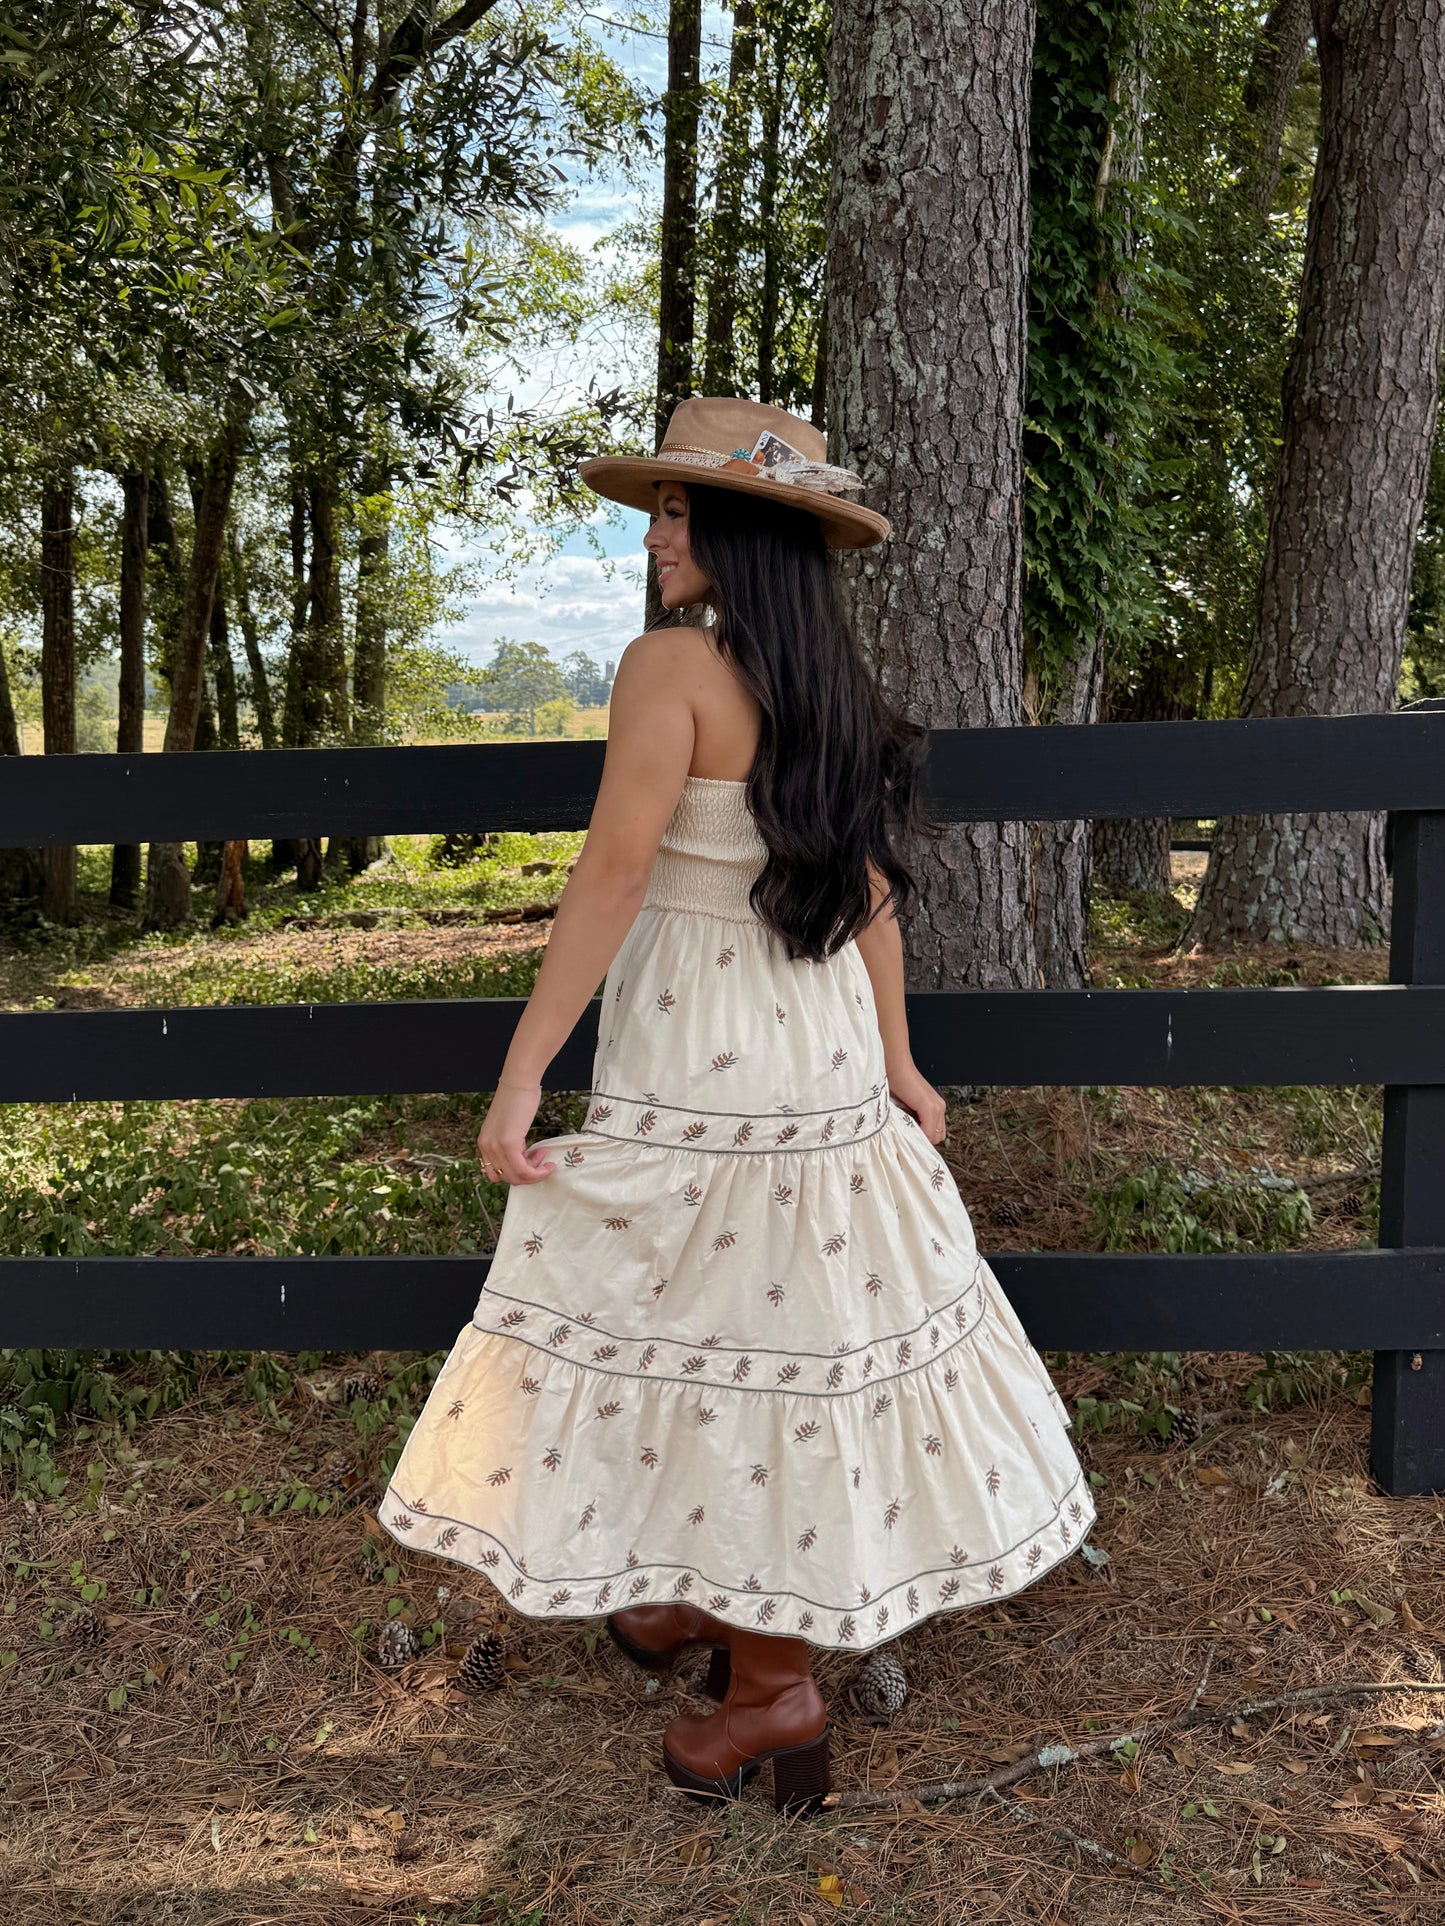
<point>649,747</point>
<point>881,947</point>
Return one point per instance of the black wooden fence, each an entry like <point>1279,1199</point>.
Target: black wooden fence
<point>1390,1300</point>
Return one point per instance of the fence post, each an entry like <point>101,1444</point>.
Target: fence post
<point>1407,1425</point>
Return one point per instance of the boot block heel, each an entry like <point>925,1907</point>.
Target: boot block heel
<point>802,1775</point>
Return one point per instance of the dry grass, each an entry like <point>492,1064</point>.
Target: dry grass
<point>300,1782</point>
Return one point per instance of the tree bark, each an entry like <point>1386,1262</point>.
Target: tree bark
<point>677,265</point>
<point>925,296</point>
<point>1062,852</point>
<point>720,362</point>
<point>20,878</point>
<point>1360,396</point>
<point>1273,76</point>
<point>168,883</point>
<point>1133,855</point>
<point>772,110</point>
<point>57,668</point>
<point>125,858</point>
<point>261,706</point>
<point>368,671</point>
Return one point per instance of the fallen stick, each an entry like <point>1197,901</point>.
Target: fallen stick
<point>867,1799</point>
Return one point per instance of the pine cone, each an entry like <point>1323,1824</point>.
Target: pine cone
<point>85,1627</point>
<point>878,1688</point>
<point>1420,1661</point>
<point>1007,1213</point>
<point>339,1478</point>
<point>362,1387</point>
<point>398,1644</point>
<point>483,1666</point>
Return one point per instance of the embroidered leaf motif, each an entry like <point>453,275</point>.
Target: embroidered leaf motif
<point>789,1372</point>
<point>760,1474</point>
<point>646,1357</point>
<point>891,1514</point>
<point>517,1587</point>
<point>786,1134</point>
<point>455,1408</point>
<point>665,1002</point>
<point>840,1057</point>
<point>693,1132</point>
<point>826,1132</point>
<point>806,1432</point>
<point>831,1246</point>
<point>857,1474</point>
<point>600,1113</point>
<point>706,1415</point>
<point>868,1365</point>
<point>776,1294</point>
<point>1076,1511</point>
<point>574,1156</point>
<point>950,1588</point>
<point>559,1334</point>
<point>645,1122</point>
<point>766,1610</point>
<point>708,1342</point>
<point>905,1351</point>
<point>959,1555</point>
<point>604,1354</point>
<point>1036,1552</point>
<point>617,993</point>
<point>835,1376</point>
<point>513,1317</point>
<point>401,1522</point>
<point>1068,1536</point>
<point>694,1363</point>
<point>610,1409</point>
<point>551,1458</point>
<point>659,1287</point>
<point>500,1476</point>
<point>933,1337</point>
<point>950,1379</point>
<point>995,1578</point>
<point>805,1621</point>
<point>857,1123</point>
<point>651,1460</point>
<point>913,1600</point>
<point>683,1584</point>
<point>719,1602</point>
<point>933,1446</point>
<point>724,1240</point>
<point>847,1626</point>
<point>724,957</point>
<point>491,1558</point>
<point>936,1176</point>
<point>447,1538</point>
<point>616,1223</point>
<point>993,1481</point>
<point>638,1586</point>
<point>586,1317</point>
<point>855,1183</point>
<point>780,1013</point>
<point>587,1516</point>
<point>531,1245</point>
<point>881,1404</point>
<point>937,1247</point>
<point>808,1538</point>
<point>694,1517</point>
<point>741,1369</point>
<point>743,1132</point>
<point>752,1583</point>
<point>603,1595</point>
<point>632,1559</point>
<point>858,999</point>
<point>725,1060</point>
<point>882,1618</point>
<point>873,1283</point>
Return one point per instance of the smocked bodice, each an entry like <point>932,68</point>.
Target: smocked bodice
<point>710,854</point>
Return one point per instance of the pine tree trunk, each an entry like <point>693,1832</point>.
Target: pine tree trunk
<point>57,668</point>
<point>1273,76</point>
<point>19,868</point>
<point>261,707</point>
<point>926,284</point>
<point>168,883</point>
<point>125,858</point>
<point>720,370</point>
<point>677,265</point>
<point>1062,852</point>
<point>1360,397</point>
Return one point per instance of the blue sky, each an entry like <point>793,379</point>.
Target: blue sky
<point>576,600</point>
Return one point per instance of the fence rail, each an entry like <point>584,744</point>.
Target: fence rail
<point>1390,1300</point>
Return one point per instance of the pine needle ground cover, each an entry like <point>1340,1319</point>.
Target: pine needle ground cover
<point>199,1722</point>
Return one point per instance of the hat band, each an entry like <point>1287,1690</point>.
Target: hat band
<point>821,476</point>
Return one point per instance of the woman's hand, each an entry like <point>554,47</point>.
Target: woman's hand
<point>919,1099</point>
<point>502,1139</point>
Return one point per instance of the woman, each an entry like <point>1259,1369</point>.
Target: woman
<point>739,1377</point>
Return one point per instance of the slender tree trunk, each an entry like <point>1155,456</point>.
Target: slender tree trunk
<point>720,369</point>
<point>1360,397</point>
<point>1133,855</point>
<point>1273,76</point>
<point>260,682</point>
<point>926,286</point>
<point>20,878</point>
<point>57,668</point>
<point>1062,852</point>
<point>125,859</point>
<point>677,266</point>
<point>772,109</point>
<point>368,672</point>
<point>223,673</point>
<point>168,883</point>
<point>328,648</point>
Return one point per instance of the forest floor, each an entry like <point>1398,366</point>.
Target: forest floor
<point>197,1727</point>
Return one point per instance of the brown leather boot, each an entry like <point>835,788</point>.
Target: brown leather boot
<point>772,1710</point>
<point>656,1636</point>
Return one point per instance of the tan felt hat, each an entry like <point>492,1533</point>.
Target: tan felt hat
<point>748,446</point>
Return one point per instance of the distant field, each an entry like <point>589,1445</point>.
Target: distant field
<point>581,724</point>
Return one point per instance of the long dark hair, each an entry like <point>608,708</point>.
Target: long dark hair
<point>834,781</point>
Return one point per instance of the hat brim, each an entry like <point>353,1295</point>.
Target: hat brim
<point>632,480</point>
